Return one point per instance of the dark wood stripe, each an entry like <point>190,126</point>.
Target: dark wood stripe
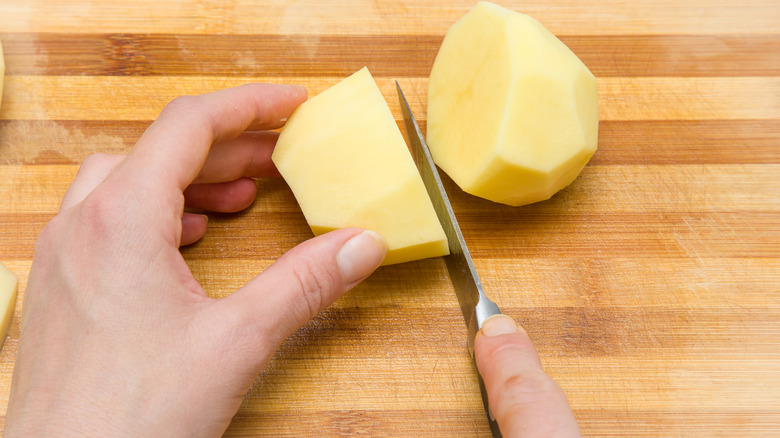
<point>507,232</point>
<point>678,55</point>
<point>689,142</point>
<point>502,232</point>
<point>683,141</point>
<point>620,142</point>
<point>389,56</point>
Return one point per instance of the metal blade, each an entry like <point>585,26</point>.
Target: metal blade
<point>474,304</point>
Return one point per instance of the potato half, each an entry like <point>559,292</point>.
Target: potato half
<point>348,165</point>
<point>512,112</point>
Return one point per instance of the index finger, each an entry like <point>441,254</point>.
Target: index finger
<point>524,399</point>
<point>174,148</point>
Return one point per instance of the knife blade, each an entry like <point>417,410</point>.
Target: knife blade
<point>474,304</point>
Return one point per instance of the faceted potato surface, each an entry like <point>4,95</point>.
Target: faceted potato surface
<point>348,165</point>
<point>512,112</point>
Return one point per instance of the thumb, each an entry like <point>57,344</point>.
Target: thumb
<point>303,282</point>
<point>525,401</point>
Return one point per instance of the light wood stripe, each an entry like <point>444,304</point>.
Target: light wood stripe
<point>57,142</point>
<point>57,54</point>
<point>680,284</point>
<point>142,98</point>
<point>552,282</point>
<point>427,422</point>
<point>566,343</point>
<point>611,189</point>
<point>558,333</point>
<point>689,98</point>
<point>696,420</point>
<point>430,422</point>
<point>63,142</point>
<point>611,17</point>
<point>453,385</point>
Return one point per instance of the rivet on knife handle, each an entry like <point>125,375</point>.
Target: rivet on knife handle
<point>474,304</point>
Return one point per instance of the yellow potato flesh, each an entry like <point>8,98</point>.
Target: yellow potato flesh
<point>8,289</point>
<point>347,163</point>
<point>512,112</point>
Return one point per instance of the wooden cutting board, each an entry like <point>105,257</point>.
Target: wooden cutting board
<point>651,286</point>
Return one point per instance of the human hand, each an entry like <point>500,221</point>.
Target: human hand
<point>118,338</point>
<point>525,401</point>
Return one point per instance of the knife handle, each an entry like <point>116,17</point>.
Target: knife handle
<point>482,311</point>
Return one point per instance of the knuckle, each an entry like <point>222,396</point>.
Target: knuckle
<point>92,161</point>
<point>192,110</point>
<point>102,213</point>
<point>521,392</point>
<point>98,160</point>
<point>493,349</point>
<point>182,104</point>
<point>49,235</point>
<point>530,386</point>
<point>312,282</point>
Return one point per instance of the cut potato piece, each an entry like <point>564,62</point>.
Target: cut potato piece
<point>8,288</point>
<point>347,163</point>
<point>512,112</point>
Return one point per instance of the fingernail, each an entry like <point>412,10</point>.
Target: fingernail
<point>499,325</point>
<point>360,255</point>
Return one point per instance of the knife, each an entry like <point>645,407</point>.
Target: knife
<point>474,304</point>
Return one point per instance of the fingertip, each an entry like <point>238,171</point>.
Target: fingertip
<point>193,228</point>
<point>360,256</point>
<point>300,90</point>
<point>226,197</point>
<point>502,341</point>
<point>501,324</point>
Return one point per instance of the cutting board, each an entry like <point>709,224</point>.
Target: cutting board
<point>650,286</point>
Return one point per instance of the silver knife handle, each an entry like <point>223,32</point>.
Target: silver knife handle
<point>485,309</point>
<point>482,311</point>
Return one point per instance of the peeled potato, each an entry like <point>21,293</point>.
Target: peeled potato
<point>347,163</point>
<point>512,112</point>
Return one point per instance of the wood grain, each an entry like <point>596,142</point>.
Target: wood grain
<point>650,285</point>
<point>425,17</point>
<point>621,98</point>
<point>628,142</point>
<point>63,54</point>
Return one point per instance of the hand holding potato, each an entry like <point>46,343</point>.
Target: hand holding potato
<point>117,336</point>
